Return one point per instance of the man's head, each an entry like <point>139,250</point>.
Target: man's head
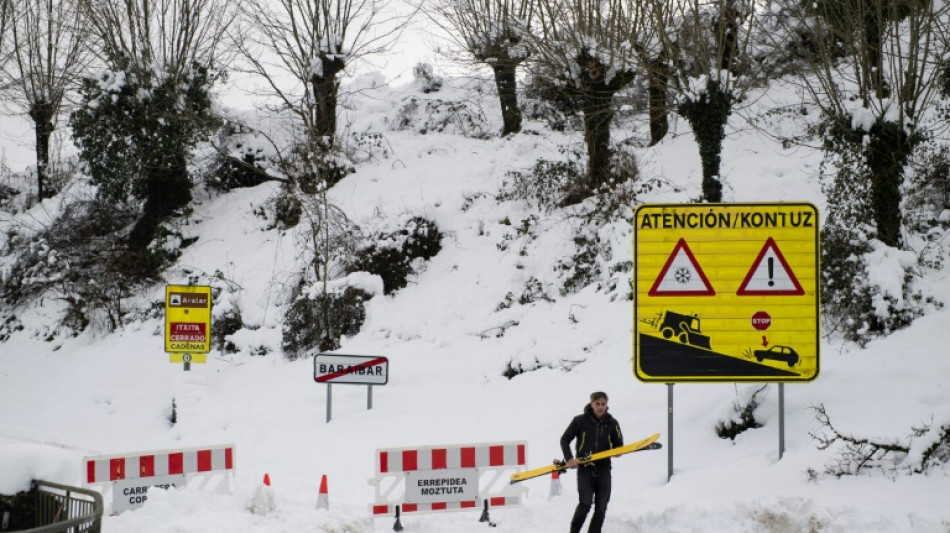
<point>598,403</point>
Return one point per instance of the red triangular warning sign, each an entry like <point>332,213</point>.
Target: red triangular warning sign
<point>682,275</point>
<point>770,275</point>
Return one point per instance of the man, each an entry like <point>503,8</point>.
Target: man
<point>595,431</point>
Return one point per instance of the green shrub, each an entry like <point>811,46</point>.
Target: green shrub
<point>318,323</point>
<point>391,255</point>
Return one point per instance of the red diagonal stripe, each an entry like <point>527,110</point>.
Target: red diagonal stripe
<point>352,369</point>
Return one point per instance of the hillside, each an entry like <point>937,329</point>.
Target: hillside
<point>450,340</point>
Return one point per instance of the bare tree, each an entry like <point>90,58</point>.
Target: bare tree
<point>876,73</point>
<point>587,46</point>
<point>703,46</point>
<point>299,48</point>
<point>494,33</point>
<point>312,42</point>
<point>49,55</point>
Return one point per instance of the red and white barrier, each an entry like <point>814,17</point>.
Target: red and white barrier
<point>106,468</point>
<point>131,474</point>
<point>447,478</point>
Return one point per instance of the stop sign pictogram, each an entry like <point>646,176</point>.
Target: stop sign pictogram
<point>761,320</point>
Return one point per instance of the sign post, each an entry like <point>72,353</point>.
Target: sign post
<point>726,293</point>
<point>187,323</point>
<point>350,369</point>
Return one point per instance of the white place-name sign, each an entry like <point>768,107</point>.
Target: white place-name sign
<point>354,369</point>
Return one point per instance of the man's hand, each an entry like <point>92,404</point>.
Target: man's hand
<point>573,463</point>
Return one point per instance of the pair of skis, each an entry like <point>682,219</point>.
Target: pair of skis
<point>648,443</point>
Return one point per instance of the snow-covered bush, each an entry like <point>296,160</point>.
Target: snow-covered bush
<point>318,322</point>
<point>80,259</point>
<point>424,115</point>
<point>924,450</point>
<point>393,255</point>
<point>367,146</point>
<point>243,159</point>
<point>867,286</point>
<point>426,78</point>
<point>544,185</point>
<point>548,102</point>
<point>225,324</point>
<point>741,416</point>
<point>548,183</point>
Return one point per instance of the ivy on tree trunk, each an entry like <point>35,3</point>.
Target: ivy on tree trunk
<point>707,115</point>
<point>41,112</point>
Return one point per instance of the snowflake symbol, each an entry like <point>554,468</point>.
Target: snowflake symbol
<point>683,275</point>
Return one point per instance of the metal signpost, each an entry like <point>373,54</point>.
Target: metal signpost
<point>187,323</point>
<point>350,369</point>
<point>726,293</point>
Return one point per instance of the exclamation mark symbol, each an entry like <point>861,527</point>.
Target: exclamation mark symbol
<point>771,271</point>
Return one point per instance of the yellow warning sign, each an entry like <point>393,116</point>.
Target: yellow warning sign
<point>187,321</point>
<point>726,292</point>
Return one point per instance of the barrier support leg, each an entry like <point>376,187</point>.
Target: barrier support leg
<point>397,526</point>
<point>485,517</point>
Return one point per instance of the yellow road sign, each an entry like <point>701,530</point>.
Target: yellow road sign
<point>187,321</point>
<point>726,292</point>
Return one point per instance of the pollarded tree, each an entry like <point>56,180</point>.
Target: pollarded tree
<point>876,73</point>
<point>706,51</point>
<point>142,116</point>
<point>311,42</point>
<point>587,47</point>
<point>299,48</point>
<point>494,32</point>
<point>48,56</point>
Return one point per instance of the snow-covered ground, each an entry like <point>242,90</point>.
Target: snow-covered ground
<point>104,394</point>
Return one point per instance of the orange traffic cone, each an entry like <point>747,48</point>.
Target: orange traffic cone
<point>323,499</point>
<point>266,479</point>
<point>555,485</point>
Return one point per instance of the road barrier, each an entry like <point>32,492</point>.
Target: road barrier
<point>130,475</point>
<point>460,477</point>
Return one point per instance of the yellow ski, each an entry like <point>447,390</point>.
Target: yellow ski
<point>648,443</point>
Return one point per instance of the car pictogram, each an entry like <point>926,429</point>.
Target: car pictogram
<point>778,353</point>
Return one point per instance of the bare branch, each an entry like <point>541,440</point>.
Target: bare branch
<point>170,35</point>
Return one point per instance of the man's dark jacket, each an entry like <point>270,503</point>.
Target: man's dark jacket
<point>592,436</point>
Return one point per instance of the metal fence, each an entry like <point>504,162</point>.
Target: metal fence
<point>65,509</point>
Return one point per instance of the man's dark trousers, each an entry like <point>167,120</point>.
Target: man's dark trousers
<point>593,487</point>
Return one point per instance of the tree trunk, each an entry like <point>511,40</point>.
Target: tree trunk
<point>325,89</point>
<point>598,115</point>
<point>887,154</point>
<point>872,42</point>
<point>596,93</point>
<point>167,189</point>
<point>708,117</point>
<point>42,114</point>
<point>728,29</point>
<point>507,94</point>
<point>658,80</point>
